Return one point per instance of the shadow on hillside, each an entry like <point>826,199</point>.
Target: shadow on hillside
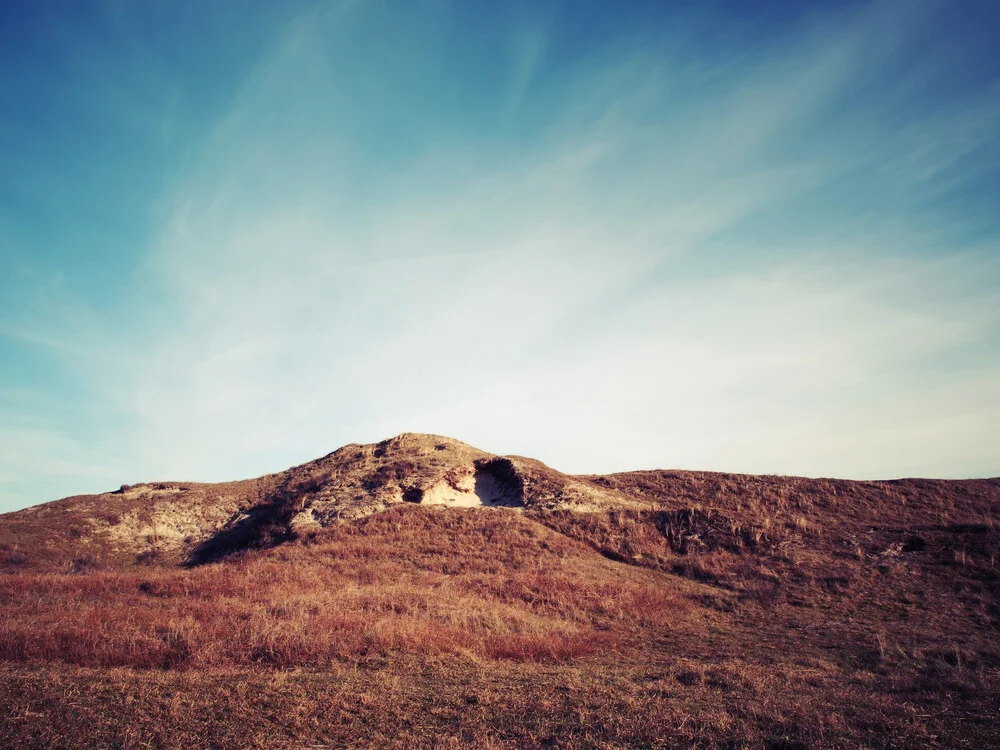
<point>268,524</point>
<point>260,528</point>
<point>498,483</point>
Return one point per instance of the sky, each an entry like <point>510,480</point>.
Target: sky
<point>751,237</point>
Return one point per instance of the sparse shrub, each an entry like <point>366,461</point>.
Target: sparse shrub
<point>881,642</point>
<point>310,485</point>
<point>11,556</point>
<point>763,593</point>
<point>697,569</point>
<point>84,563</point>
<point>689,677</point>
<point>149,557</point>
<point>453,477</point>
<point>389,474</point>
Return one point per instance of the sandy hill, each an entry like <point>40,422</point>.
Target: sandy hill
<point>420,592</point>
<point>196,522</point>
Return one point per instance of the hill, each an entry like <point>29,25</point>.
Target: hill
<point>422,592</point>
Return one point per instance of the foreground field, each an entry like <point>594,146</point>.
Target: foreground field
<point>701,610</point>
<point>454,628</point>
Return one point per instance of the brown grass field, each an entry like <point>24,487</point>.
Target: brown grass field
<point>702,610</point>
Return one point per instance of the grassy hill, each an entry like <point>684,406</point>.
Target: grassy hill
<point>420,592</point>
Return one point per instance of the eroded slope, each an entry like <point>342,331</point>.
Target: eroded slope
<point>202,522</point>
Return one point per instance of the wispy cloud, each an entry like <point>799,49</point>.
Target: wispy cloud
<point>528,50</point>
<point>654,258</point>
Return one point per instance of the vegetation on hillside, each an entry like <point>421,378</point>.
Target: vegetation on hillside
<point>699,610</point>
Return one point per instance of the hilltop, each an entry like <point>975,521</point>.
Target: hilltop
<point>422,592</point>
<point>190,521</point>
<point>195,522</point>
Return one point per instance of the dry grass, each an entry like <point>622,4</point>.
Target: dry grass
<point>709,610</point>
<point>407,580</point>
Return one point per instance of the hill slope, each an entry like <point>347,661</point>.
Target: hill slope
<point>196,522</point>
<point>426,593</point>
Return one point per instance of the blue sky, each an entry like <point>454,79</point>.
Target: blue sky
<point>746,237</point>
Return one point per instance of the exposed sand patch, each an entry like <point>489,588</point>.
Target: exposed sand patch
<point>475,488</point>
<point>460,493</point>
